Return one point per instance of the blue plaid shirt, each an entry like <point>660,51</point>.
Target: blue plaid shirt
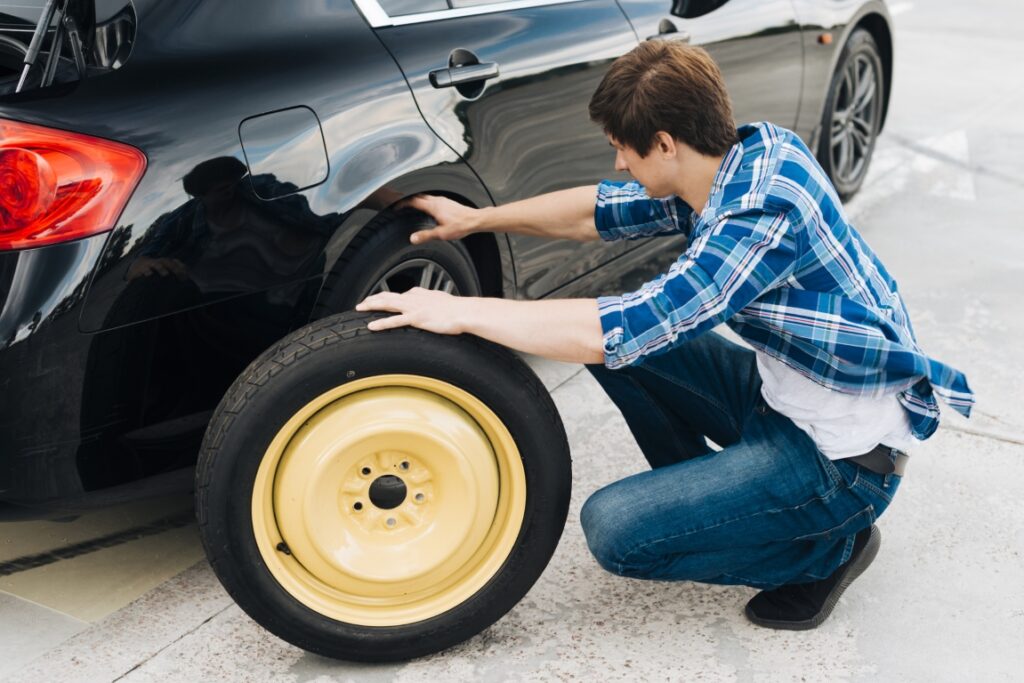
<point>773,256</point>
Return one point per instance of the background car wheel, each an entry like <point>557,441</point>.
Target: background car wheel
<point>381,258</point>
<point>378,496</point>
<point>853,114</point>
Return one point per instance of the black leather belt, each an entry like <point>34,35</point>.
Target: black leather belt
<point>883,460</point>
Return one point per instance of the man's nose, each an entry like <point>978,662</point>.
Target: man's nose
<point>620,163</point>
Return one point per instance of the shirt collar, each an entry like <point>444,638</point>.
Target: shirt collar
<point>729,165</point>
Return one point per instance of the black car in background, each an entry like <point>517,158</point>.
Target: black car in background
<point>183,183</point>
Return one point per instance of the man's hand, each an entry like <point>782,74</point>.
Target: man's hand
<point>427,309</point>
<point>454,220</point>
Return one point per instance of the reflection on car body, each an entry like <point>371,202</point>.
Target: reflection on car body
<point>265,197</point>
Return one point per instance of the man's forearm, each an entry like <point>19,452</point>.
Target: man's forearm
<point>565,214</point>
<point>561,329</point>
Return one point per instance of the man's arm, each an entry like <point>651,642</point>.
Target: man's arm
<point>561,329</point>
<point>608,211</point>
<point>723,270</point>
<point>625,211</point>
<point>565,214</point>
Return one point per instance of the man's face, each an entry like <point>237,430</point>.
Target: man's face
<point>651,171</point>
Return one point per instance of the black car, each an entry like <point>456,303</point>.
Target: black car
<point>184,183</point>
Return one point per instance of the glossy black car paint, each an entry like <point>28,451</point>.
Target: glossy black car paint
<point>528,132</point>
<point>108,377</point>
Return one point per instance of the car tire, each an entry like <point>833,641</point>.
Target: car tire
<point>852,116</point>
<point>379,496</point>
<point>381,252</point>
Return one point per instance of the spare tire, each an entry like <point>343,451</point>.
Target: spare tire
<point>378,496</point>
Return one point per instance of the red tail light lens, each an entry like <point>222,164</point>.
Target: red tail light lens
<point>57,186</point>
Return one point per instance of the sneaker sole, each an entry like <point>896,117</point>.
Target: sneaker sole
<point>852,571</point>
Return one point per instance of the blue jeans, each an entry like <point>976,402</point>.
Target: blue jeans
<point>766,510</point>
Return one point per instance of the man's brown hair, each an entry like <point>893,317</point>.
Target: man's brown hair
<point>663,85</point>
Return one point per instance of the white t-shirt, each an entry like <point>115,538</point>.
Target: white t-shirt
<point>841,425</point>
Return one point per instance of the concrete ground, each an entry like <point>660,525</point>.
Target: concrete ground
<point>126,595</point>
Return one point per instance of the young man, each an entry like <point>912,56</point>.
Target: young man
<point>812,422</point>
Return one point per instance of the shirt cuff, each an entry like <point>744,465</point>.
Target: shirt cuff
<point>610,310</point>
<point>603,220</point>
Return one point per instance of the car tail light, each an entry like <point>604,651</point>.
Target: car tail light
<point>57,186</point>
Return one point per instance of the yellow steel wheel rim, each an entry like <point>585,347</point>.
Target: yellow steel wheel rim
<point>388,500</point>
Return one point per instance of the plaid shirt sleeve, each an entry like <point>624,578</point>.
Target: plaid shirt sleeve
<point>624,211</point>
<point>726,267</point>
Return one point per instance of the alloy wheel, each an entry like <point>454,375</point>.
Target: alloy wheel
<point>855,119</point>
<point>417,272</point>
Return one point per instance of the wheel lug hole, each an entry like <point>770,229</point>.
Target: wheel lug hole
<point>366,471</point>
<point>404,465</point>
<point>391,521</point>
<point>358,506</point>
<point>419,497</point>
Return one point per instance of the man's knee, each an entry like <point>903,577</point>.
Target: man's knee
<point>633,545</point>
<point>599,525</point>
<point>611,533</point>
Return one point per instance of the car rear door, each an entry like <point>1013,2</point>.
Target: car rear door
<point>756,44</point>
<point>506,85</point>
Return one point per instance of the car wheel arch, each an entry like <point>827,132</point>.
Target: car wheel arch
<point>879,28</point>
<point>872,17</point>
<point>489,252</point>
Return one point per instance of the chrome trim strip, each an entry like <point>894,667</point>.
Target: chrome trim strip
<point>373,12</point>
<point>378,18</point>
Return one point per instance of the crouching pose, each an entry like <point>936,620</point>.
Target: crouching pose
<point>812,419</point>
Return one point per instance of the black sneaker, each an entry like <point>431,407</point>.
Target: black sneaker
<point>802,606</point>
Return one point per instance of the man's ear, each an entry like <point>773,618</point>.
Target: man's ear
<point>665,144</point>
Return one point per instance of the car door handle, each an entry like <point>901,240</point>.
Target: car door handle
<point>668,31</point>
<point>458,75</point>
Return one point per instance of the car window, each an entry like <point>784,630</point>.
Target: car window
<point>396,8</point>
<point>691,9</point>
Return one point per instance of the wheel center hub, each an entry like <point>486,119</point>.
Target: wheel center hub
<point>388,492</point>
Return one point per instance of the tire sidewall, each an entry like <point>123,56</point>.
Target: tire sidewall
<point>860,42</point>
<point>233,464</point>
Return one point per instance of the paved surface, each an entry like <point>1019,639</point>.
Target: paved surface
<point>944,600</point>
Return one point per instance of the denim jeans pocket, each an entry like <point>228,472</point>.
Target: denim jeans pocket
<point>870,487</point>
<point>854,523</point>
<point>882,486</point>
